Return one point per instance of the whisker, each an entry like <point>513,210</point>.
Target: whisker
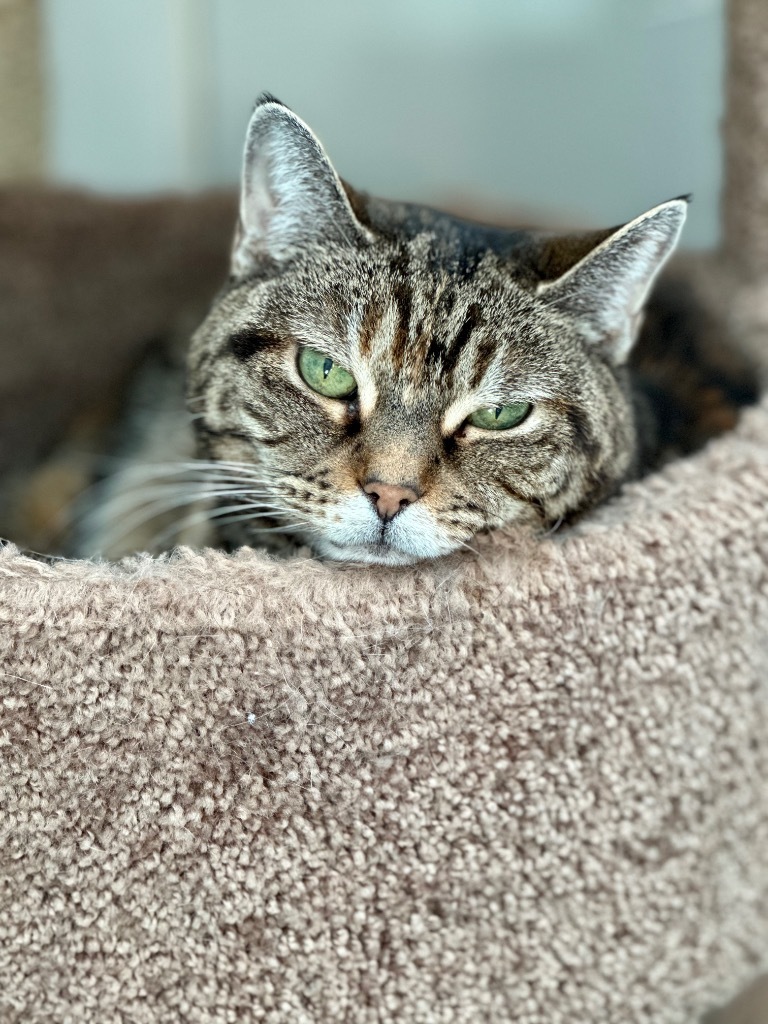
<point>468,546</point>
<point>554,527</point>
<point>283,528</point>
<point>188,491</point>
<point>122,523</point>
<point>237,470</point>
<point>155,497</point>
<point>196,474</point>
<point>194,518</point>
<point>141,485</point>
<point>268,509</point>
<point>150,503</point>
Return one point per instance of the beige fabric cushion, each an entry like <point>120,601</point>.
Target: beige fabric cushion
<point>526,784</point>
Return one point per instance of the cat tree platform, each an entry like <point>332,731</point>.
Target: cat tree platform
<point>523,784</point>
<point>526,783</point>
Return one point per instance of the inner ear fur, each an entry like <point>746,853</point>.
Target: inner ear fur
<point>290,193</point>
<point>605,288</point>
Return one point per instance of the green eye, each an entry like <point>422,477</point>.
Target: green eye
<point>500,417</point>
<point>325,376</point>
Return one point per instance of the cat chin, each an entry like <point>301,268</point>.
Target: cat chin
<point>366,554</point>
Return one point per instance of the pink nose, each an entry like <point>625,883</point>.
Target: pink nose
<point>389,499</point>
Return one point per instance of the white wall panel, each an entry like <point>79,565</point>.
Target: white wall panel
<point>595,108</point>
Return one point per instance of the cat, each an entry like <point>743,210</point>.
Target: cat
<point>381,381</point>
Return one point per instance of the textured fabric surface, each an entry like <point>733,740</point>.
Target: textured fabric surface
<point>526,784</point>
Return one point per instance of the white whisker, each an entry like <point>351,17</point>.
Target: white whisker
<point>283,528</point>
<point>267,509</point>
<point>232,470</point>
<point>140,507</point>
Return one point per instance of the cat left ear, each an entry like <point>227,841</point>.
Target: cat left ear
<point>291,194</point>
<point>607,289</point>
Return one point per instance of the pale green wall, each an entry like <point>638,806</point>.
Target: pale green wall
<point>596,108</point>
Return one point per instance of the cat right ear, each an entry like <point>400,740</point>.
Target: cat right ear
<point>291,194</point>
<point>605,291</point>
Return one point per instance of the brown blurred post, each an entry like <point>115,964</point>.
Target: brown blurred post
<point>745,250</point>
<point>22,151</point>
<point>745,195</point>
<point>751,1007</point>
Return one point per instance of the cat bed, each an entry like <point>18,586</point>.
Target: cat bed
<point>525,783</point>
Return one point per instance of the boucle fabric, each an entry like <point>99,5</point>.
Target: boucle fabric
<point>526,785</point>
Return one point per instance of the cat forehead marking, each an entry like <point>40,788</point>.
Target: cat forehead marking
<point>370,333</point>
<point>413,325</point>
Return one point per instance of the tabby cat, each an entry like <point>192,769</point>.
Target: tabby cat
<point>381,381</point>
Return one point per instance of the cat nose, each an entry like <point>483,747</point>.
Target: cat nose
<point>389,499</point>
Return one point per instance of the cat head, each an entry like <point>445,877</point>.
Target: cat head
<point>387,381</point>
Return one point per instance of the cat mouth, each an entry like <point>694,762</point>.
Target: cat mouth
<point>355,534</point>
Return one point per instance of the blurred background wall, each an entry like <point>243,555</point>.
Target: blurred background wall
<point>22,104</point>
<point>588,110</point>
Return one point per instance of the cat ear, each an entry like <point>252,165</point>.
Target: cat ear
<point>290,194</point>
<point>606,290</point>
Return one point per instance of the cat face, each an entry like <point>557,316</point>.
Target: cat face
<point>390,381</point>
